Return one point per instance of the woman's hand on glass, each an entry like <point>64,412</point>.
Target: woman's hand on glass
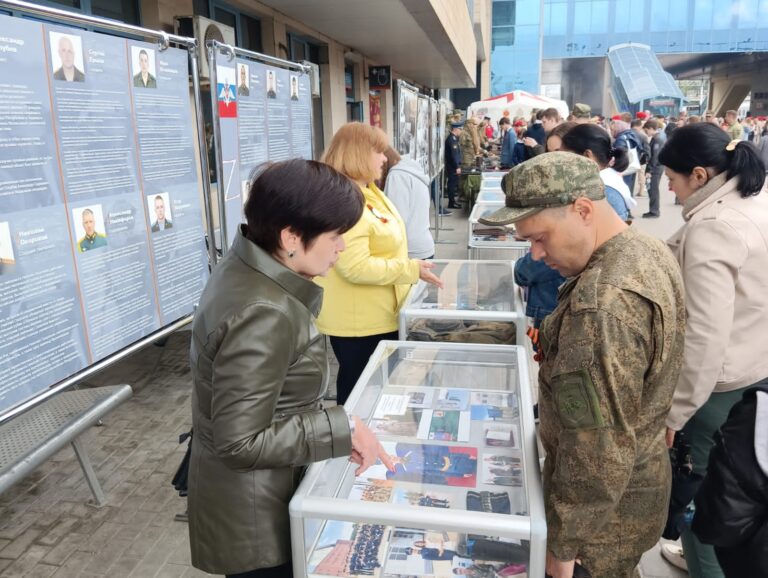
<point>367,450</point>
<point>425,274</point>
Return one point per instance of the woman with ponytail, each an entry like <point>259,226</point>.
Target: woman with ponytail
<point>723,252</point>
<point>593,142</point>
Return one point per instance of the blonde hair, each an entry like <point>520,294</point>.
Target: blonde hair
<point>350,150</point>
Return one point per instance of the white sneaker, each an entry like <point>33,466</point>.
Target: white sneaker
<point>673,554</point>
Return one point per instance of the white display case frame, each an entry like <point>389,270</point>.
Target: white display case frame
<point>516,313</point>
<point>362,401</point>
<point>488,249</point>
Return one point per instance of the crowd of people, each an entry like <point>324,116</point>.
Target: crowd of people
<point>638,340</point>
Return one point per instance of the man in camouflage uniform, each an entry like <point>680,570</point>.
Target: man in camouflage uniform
<point>612,350</point>
<point>469,143</point>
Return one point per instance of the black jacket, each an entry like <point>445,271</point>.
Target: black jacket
<point>732,503</point>
<point>537,133</point>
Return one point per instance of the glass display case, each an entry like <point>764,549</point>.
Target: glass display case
<point>488,242</point>
<point>465,491</point>
<point>479,303</point>
<point>490,196</point>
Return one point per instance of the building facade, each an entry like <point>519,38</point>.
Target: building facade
<point>535,43</point>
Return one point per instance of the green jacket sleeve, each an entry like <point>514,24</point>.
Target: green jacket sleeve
<point>596,390</point>
<point>249,370</point>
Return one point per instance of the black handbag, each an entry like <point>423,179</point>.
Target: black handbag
<point>181,477</point>
<point>685,484</point>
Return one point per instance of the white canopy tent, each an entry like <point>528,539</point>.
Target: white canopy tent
<point>514,104</point>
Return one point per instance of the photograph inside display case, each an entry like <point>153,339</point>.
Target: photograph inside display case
<point>453,448</point>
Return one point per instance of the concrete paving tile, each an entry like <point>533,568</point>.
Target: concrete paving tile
<point>106,556</point>
<point>4,563</point>
<point>41,571</point>
<point>171,571</point>
<point>195,573</point>
<point>122,567</point>
<point>64,549</point>
<point>19,545</point>
<point>144,542</point>
<point>15,523</point>
<point>75,564</point>
<point>27,561</point>
<point>63,527</point>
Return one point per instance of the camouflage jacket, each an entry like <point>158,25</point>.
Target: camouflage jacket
<point>612,351</point>
<point>467,146</point>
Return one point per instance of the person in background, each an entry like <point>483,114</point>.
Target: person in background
<point>582,113</point>
<point>644,156</point>
<point>732,125</point>
<point>555,137</point>
<point>731,509</point>
<point>452,166</point>
<point>489,132</point>
<point>723,253</point>
<point>504,125</point>
<point>260,371</point>
<point>625,138</point>
<point>594,143</point>
<point>364,291</point>
<point>657,140</point>
<point>536,131</point>
<point>406,185</point>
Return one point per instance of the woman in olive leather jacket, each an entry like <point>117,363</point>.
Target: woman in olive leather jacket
<point>260,370</point>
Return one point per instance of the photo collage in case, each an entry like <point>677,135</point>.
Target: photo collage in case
<point>453,449</point>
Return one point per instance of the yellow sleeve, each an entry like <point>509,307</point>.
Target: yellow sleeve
<point>357,265</point>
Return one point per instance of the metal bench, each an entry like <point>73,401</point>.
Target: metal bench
<point>29,439</point>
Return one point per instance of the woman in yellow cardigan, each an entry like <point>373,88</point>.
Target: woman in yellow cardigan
<point>366,288</point>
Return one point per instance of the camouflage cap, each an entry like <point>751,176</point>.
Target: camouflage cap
<point>550,180</point>
<point>581,110</point>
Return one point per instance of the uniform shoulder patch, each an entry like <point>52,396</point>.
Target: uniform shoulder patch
<point>576,400</point>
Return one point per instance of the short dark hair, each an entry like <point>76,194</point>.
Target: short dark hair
<point>591,137</point>
<point>637,122</point>
<point>550,112</point>
<point>310,197</point>
<point>651,123</point>
<point>504,120</point>
<point>703,144</point>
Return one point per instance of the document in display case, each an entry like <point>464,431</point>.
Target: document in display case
<point>479,303</point>
<point>492,242</point>
<point>466,491</point>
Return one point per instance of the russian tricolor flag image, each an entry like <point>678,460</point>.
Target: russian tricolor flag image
<point>227,99</point>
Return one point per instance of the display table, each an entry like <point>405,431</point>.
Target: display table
<point>479,303</point>
<point>486,242</point>
<point>466,491</point>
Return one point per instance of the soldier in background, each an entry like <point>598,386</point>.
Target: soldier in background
<point>453,163</point>
<point>612,351</point>
<point>469,143</point>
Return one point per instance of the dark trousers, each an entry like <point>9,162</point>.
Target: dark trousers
<point>653,193</point>
<point>629,180</point>
<point>353,354</point>
<point>452,186</point>
<point>284,571</point>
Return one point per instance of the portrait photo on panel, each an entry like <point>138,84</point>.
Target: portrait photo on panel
<point>143,67</point>
<point>6,244</point>
<point>67,57</point>
<point>90,231</point>
<point>294,87</point>
<point>243,80</point>
<point>160,216</point>
<point>271,84</point>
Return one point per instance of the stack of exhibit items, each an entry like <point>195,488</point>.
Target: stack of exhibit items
<point>492,242</point>
<point>479,303</point>
<point>465,494</point>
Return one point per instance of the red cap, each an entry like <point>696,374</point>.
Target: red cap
<point>616,117</point>
<point>642,115</point>
<point>761,118</point>
<point>519,122</point>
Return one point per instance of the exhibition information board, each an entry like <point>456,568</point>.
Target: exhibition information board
<point>263,113</point>
<point>101,227</point>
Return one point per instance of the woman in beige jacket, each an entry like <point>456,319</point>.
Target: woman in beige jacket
<point>723,253</point>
